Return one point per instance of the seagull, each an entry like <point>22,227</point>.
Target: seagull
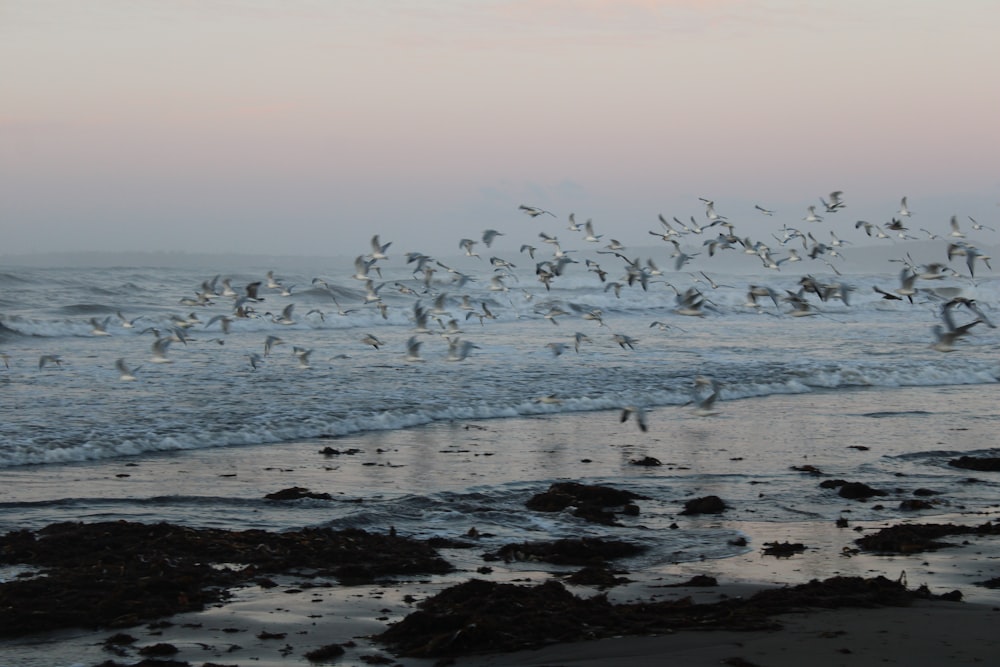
<point>270,342</point>
<point>413,349</point>
<point>286,315</point>
<point>706,406</point>
<point>379,248</point>
<point>640,416</point>
<point>127,323</point>
<point>579,338</point>
<point>812,216</point>
<point>534,212</point>
<point>255,360</point>
<point>370,339</point>
<point>835,202</point>
<point>556,348</point>
<point>765,211</point>
<point>224,321</point>
<point>945,336</point>
<point>160,346</point>
<point>99,327</point>
<point>553,313</point>
<point>624,341</point>
<point>302,354</point>
<point>467,245</point>
<point>489,235</point>
<point>979,226</point>
<point>903,210</point>
<point>955,231</point>
<point>458,349</point>
<point>47,359</point>
<point>126,374</point>
<point>589,230</point>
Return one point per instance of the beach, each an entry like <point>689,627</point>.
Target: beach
<point>280,625</point>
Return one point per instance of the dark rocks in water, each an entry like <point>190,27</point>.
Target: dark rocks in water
<point>297,493</point>
<point>811,469</point>
<point>852,490</point>
<point>982,464</point>
<point>859,491</point>
<point>591,501</point>
<point>478,616</point>
<point>159,650</point>
<point>647,461</point>
<point>120,574</point>
<point>704,505</point>
<point>324,653</point>
<point>783,549</point>
<point>591,551</point>
<point>916,537</point>
<point>915,505</point>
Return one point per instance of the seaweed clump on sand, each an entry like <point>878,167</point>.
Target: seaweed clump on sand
<point>912,538</point>
<point>486,617</point>
<point>119,574</point>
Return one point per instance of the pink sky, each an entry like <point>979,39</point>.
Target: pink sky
<point>304,126</point>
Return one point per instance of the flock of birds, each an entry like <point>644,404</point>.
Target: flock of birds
<point>435,282</point>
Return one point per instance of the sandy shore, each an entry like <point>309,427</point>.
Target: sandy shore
<point>278,627</point>
<point>928,633</point>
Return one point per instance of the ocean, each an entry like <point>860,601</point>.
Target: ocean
<point>514,385</point>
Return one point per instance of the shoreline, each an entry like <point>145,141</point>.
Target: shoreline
<point>309,616</point>
<point>277,626</point>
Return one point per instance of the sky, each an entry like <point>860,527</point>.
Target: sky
<point>307,126</point>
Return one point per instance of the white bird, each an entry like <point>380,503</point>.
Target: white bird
<point>413,349</point>
<point>903,211</point>
<point>556,348</point>
<point>812,216</point>
<point>979,226</point>
<point>125,374</point>
<point>99,327</point>
<point>160,346</point>
<point>127,323</point>
<point>589,232</point>
<point>458,350</point>
<point>640,416</point>
<point>835,202</point>
<point>302,355</point>
<point>955,230</point>
<point>467,245</point>
<point>705,407</point>
<point>369,339</point>
<point>624,341</point>
<point>534,211</point>
<point>379,248</point>
<point>270,342</point>
<point>286,315</point>
<point>47,359</point>
<point>489,235</point>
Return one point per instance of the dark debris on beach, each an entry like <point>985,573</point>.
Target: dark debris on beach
<point>120,574</point>
<point>909,538</point>
<point>484,617</point>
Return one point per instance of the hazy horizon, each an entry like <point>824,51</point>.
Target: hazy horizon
<point>304,127</point>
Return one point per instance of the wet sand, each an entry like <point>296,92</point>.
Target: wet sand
<point>277,627</point>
